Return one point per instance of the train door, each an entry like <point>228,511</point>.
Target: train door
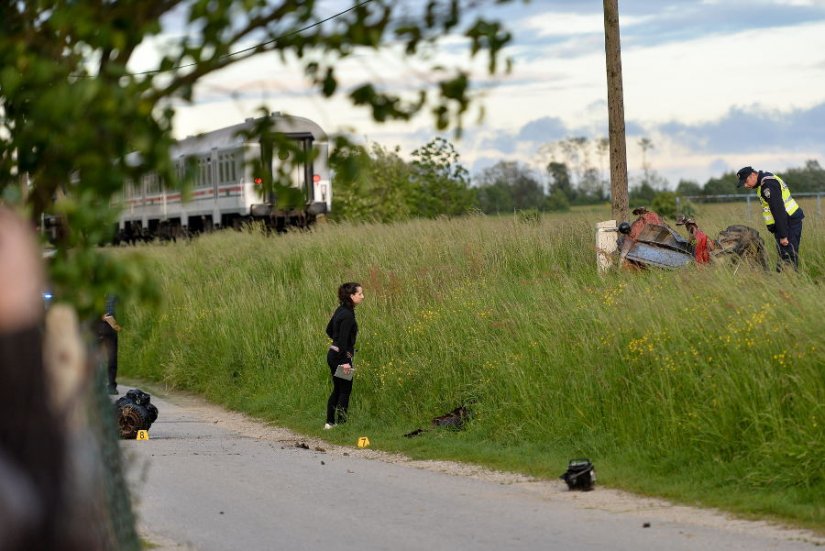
<point>321,191</point>
<point>298,173</point>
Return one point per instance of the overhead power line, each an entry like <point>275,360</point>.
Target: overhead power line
<point>260,45</point>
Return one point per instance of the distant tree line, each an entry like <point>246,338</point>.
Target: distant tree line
<point>805,179</point>
<point>434,183</point>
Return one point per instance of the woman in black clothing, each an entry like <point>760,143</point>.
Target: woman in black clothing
<point>343,330</point>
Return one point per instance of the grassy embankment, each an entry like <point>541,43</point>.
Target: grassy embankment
<point>702,385</point>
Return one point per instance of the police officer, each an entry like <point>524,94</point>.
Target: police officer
<point>107,330</point>
<point>782,214</point>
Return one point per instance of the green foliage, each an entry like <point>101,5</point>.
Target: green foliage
<point>495,198</point>
<point>378,185</point>
<point>76,124</point>
<point>370,185</point>
<point>641,195</point>
<point>804,179</point>
<point>508,185</point>
<point>441,185</point>
<point>560,181</point>
<point>685,208</point>
<point>572,171</point>
<point>724,185</point>
<point>664,203</point>
<point>704,396</point>
<point>529,216</point>
<point>688,187</point>
<point>557,201</point>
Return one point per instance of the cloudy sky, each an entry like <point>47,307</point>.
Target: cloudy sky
<point>714,84</point>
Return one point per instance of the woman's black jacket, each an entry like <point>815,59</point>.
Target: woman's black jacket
<point>343,329</point>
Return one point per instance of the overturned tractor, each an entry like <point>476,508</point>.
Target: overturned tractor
<point>648,241</point>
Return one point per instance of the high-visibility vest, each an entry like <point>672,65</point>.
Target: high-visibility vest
<point>791,205</point>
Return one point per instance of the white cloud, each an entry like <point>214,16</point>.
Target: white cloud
<point>554,24</point>
<point>700,79</point>
<point>800,2</point>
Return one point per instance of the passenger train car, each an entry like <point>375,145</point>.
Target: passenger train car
<point>225,193</point>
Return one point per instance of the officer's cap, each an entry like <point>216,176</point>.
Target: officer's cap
<point>743,174</point>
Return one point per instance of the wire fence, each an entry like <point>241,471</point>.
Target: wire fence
<point>751,203</point>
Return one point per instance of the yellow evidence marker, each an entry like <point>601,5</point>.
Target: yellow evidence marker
<point>363,442</point>
<point>143,435</point>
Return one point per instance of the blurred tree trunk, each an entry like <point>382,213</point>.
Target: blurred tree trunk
<point>615,107</point>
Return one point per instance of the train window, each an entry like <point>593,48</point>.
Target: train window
<point>203,173</point>
<point>151,182</point>
<point>181,167</point>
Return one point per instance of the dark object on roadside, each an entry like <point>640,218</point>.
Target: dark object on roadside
<point>134,412</point>
<point>453,420</point>
<point>580,475</point>
<point>646,525</point>
<point>302,445</point>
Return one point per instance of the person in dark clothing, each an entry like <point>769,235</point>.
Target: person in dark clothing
<point>107,330</point>
<point>782,214</point>
<point>343,330</point>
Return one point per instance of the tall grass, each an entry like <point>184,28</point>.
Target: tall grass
<point>704,384</point>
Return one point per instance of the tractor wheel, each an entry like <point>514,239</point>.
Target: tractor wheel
<point>130,420</point>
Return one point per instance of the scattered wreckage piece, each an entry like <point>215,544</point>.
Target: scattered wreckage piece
<point>741,242</point>
<point>134,412</point>
<point>453,420</point>
<point>580,475</point>
<point>649,241</point>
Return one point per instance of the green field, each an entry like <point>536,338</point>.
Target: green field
<point>703,385</point>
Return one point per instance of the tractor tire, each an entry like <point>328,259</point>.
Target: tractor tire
<point>130,419</point>
<point>743,244</point>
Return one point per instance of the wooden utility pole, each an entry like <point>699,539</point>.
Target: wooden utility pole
<point>615,108</point>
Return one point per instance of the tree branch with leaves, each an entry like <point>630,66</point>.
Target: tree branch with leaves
<point>76,124</point>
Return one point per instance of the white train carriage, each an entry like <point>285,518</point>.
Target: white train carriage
<point>225,192</point>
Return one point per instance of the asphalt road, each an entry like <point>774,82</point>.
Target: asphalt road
<point>209,479</point>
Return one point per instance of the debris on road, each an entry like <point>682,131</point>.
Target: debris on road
<point>134,412</point>
<point>580,475</point>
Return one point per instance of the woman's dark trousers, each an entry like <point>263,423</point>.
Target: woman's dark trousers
<point>341,388</point>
